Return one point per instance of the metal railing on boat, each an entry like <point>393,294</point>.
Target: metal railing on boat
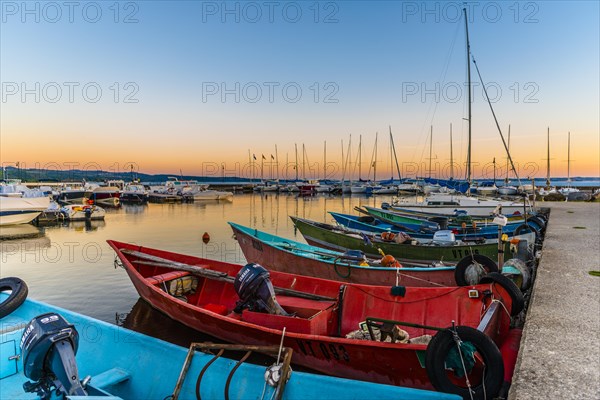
<point>274,351</point>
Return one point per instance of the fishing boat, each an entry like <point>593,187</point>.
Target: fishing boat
<point>370,224</point>
<point>347,330</point>
<point>446,248</point>
<point>21,210</point>
<point>397,216</point>
<point>113,362</point>
<point>284,255</point>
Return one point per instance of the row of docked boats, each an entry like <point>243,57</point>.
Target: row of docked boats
<point>20,204</point>
<point>426,313</point>
<point>53,353</point>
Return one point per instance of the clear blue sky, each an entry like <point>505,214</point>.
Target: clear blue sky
<point>368,56</point>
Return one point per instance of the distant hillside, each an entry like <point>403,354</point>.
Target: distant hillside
<point>76,175</point>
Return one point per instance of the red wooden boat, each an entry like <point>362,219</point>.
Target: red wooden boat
<point>282,254</point>
<point>326,311</point>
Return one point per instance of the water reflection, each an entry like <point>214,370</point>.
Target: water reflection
<point>73,266</point>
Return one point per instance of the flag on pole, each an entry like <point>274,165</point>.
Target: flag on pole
<point>254,156</point>
<point>264,158</point>
<point>272,158</point>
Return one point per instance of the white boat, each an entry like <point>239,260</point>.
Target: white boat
<point>21,210</point>
<point>474,206</point>
<point>508,190</point>
<point>209,194</point>
<point>134,192</point>
<point>486,189</point>
<point>82,212</point>
<point>391,189</point>
<point>566,191</point>
<point>358,189</point>
<point>428,188</point>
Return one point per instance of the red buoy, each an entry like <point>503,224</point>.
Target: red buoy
<point>206,237</point>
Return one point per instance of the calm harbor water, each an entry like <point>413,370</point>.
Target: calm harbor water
<point>71,265</point>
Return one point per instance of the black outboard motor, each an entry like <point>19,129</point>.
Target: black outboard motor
<point>253,286</point>
<point>48,346</point>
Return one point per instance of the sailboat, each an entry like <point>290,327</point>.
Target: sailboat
<point>391,188</point>
<point>548,189</point>
<point>447,204</point>
<point>566,191</point>
<point>360,187</point>
<point>323,186</point>
<point>430,187</point>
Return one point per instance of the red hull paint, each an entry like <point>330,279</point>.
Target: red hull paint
<point>320,349</point>
<point>275,259</point>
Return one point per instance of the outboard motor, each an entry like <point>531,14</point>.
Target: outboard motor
<point>48,347</point>
<point>253,286</point>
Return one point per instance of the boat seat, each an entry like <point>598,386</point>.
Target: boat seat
<point>167,276</point>
<point>110,377</point>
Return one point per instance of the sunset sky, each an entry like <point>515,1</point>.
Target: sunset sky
<point>194,86</point>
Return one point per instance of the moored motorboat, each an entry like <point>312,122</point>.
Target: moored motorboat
<point>113,363</point>
<point>74,212</point>
<point>324,320</point>
<point>21,210</point>
<point>134,193</point>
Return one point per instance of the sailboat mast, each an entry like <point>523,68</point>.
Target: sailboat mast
<point>569,159</point>
<point>451,155</point>
<point>391,157</point>
<point>506,178</point>
<point>468,96</point>
<point>430,147</point>
<point>395,156</point>
<point>359,157</point>
<point>375,161</point>
<point>276,163</point>
<point>303,162</point>
<point>548,162</point>
<point>325,160</point>
<point>296,147</point>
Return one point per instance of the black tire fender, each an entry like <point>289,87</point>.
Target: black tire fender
<point>541,224</point>
<point>435,359</point>
<point>16,298</point>
<point>517,300</point>
<point>524,228</point>
<point>461,267</point>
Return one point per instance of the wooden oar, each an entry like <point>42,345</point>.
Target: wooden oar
<point>211,274</point>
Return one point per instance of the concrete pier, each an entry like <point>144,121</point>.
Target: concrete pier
<point>560,351</point>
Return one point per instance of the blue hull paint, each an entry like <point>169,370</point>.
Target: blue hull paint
<point>352,222</point>
<point>130,365</point>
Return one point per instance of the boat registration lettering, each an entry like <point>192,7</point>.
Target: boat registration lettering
<point>463,253</point>
<point>328,351</point>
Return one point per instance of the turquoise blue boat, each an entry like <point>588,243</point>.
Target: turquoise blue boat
<point>124,364</point>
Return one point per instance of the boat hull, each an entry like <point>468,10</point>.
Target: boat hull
<point>148,368</point>
<point>275,259</point>
<point>318,346</point>
<point>21,210</point>
<point>329,239</point>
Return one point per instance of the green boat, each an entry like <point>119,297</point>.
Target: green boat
<point>331,237</point>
